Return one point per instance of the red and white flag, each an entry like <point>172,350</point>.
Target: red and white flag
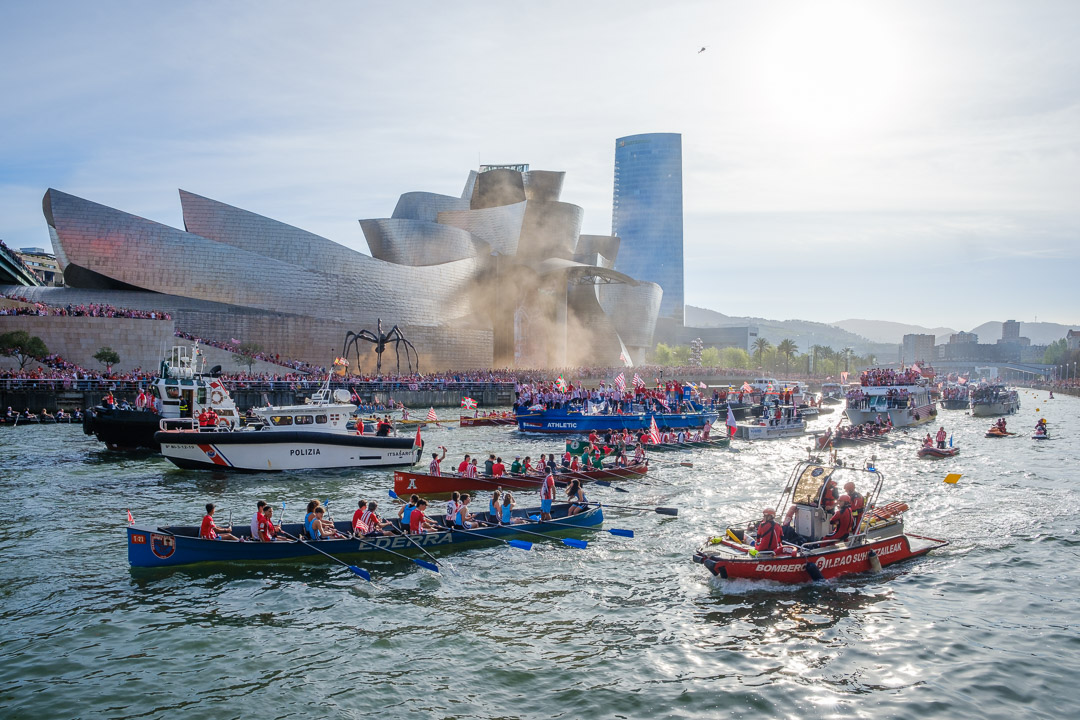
<point>620,382</point>
<point>418,442</point>
<point>131,520</point>
<point>638,382</point>
<point>730,422</point>
<point>654,432</point>
<point>431,416</point>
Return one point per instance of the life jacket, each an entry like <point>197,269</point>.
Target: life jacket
<point>769,535</point>
<point>843,521</point>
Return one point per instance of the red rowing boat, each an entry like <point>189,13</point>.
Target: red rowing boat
<point>423,484</point>
<point>488,421</point>
<point>878,540</point>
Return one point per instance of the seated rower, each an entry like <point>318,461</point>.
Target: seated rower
<point>405,513</point>
<point>575,495</point>
<point>507,515</point>
<point>452,507</point>
<point>418,521</point>
<point>495,506</point>
<point>209,531</point>
<point>498,469</point>
<point>370,524</point>
<point>928,441</point>
<point>463,518</point>
<point>321,528</point>
<point>515,467</point>
<point>268,532</point>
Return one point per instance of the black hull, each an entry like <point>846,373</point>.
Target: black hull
<point>123,429</point>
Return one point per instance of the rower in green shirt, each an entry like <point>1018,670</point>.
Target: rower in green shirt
<point>515,467</point>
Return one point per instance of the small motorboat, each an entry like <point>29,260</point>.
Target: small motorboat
<point>995,433</point>
<point>878,537</point>
<point>154,546</point>
<point>490,420</point>
<point>937,453</point>
<point>1040,436</point>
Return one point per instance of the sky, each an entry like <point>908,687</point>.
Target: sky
<point>914,161</point>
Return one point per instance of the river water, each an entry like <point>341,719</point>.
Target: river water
<point>628,628</point>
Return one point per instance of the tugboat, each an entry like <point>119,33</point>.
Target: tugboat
<point>289,437</point>
<point>988,400</point>
<point>183,390</point>
<point>832,393</point>
<point>877,538</point>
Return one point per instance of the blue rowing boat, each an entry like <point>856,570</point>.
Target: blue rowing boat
<point>181,545</point>
<point>574,421</point>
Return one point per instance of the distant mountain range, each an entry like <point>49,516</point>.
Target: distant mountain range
<point>879,337</point>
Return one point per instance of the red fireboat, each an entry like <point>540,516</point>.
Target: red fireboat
<point>878,538</point>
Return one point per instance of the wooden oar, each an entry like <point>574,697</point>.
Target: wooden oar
<point>358,571</point>
<point>614,531</point>
<point>418,546</point>
<point>659,510</point>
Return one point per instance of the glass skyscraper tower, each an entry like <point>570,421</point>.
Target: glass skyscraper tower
<point>647,214</point>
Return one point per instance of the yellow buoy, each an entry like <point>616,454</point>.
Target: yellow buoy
<point>951,478</point>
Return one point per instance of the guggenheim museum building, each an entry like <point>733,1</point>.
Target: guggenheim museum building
<point>499,276</point>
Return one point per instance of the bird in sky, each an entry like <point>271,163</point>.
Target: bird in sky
<point>701,51</point>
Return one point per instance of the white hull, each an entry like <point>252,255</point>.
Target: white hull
<point>770,432</point>
<point>900,417</point>
<point>1006,407</point>
<point>290,455</point>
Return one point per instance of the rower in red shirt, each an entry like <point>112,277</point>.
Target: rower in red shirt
<point>267,531</point>
<point>209,531</point>
<point>418,521</point>
<point>361,508</point>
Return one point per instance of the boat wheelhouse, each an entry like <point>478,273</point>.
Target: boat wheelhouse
<point>832,393</point>
<point>314,435</point>
<point>182,391</point>
<point>901,398</point>
<point>993,399</point>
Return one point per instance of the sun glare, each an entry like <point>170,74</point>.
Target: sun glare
<point>830,70</point>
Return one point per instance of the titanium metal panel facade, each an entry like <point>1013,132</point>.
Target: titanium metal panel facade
<point>647,213</point>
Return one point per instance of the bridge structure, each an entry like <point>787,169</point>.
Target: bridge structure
<point>13,271</point>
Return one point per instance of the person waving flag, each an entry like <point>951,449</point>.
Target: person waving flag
<point>730,422</point>
<point>467,403</point>
<point>654,432</point>
<point>638,382</point>
<point>620,382</point>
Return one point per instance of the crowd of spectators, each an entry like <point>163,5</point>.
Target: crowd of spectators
<point>234,347</point>
<point>92,310</point>
<point>14,257</point>
<point>876,377</point>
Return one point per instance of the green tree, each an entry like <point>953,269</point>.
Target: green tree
<point>786,349</point>
<point>22,346</point>
<point>710,357</point>
<point>1055,351</point>
<point>735,358</point>
<point>107,357</point>
<point>760,346</point>
<point>846,353</point>
<point>681,355</point>
<point>245,354</point>
<point>828,355</point>
<point>662,355</point>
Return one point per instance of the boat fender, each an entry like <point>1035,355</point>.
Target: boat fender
<point>875,563</point>
<point>814,572</point>
<point>716,567</point>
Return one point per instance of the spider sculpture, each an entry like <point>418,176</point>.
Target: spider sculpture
<point>380,341</point>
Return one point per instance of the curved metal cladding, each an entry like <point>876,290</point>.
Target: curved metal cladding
<point>600,250</point>
<point>633,310</point>
<point>495,188</point>
<point>647,213</point>
<point>426,206</point>
<point>470,186</point>
<point>499,227</point>
<point>550,230</point>
<point>543,185</point>
<point>416,243</point>
<point>271,238</point>
<point>143,254</point>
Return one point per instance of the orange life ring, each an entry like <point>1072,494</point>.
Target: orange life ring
<point>216,397</point>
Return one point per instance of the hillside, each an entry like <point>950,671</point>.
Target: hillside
<point>1042,333</point>
<point>804,332</point>
<point>884,331</point>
